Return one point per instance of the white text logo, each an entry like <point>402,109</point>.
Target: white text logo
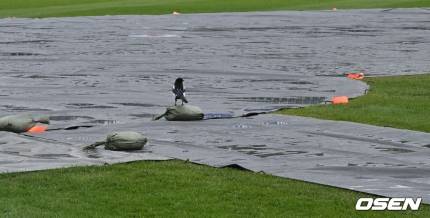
<point>388,204</point>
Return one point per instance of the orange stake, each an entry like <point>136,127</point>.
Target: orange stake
<point>38,129</point>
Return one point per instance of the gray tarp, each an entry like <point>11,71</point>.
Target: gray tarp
<point>372,159</point>
<point>114,73</point>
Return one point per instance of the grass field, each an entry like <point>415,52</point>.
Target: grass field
<point>173,189</point>
<point>401,102</point>
<point>60,8</point>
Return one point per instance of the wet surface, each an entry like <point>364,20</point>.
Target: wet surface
<point>95,75</point>
<point>354,156</point>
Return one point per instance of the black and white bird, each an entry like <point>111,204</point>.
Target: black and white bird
<point>179,90</point>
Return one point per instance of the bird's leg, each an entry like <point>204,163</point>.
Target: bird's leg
<point>175,101</point>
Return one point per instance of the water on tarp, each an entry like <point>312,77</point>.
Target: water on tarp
<point>209,116</point>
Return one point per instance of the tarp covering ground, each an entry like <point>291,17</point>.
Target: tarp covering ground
<point>95,75</point>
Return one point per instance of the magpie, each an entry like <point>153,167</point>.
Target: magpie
<point>179,91</point>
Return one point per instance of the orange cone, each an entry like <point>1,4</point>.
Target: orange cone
<point>340,100</point>
<point>38,129</point>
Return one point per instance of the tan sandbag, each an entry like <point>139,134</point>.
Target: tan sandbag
<point>182,113</point>
<point>122,141</point>
<point>21,123</point>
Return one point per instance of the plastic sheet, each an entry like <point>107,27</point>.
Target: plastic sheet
<point>235,64</point>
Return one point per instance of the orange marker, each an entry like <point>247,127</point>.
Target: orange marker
<point>356,76</point>
<point>38,129</point>
<point>340,100</point>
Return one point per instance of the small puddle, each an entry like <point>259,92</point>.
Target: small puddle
<point>130,104</point>
<point>290,100</point>
<point>103,122</point>
<point>53,156</point>
<point>143,115</point>
<point>26,42</point>
<point>210,116</point>
<point>262,151</point>
<point>394,150</point>
<point>88,106</point>
<point>12,108</point>
<point>69,118</point>
<point>275,123</point>
<point>19,54</point>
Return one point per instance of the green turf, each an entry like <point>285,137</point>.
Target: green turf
<point>172,189</point>
<point>401,102</point>
<point>51,8</point>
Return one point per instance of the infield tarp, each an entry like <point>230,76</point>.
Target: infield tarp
<point>96,75</point>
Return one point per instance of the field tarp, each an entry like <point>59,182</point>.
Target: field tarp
<point>97,75</point>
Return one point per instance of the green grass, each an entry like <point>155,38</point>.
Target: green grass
<point>60,8</point>
<point>401,102</point>
<point>173,189</point>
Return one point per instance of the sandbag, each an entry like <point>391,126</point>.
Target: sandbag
<point>182,113</point>
<point>122,141</point>
<point>21,123</point>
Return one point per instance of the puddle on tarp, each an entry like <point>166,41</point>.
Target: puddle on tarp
<point>209,116</point>
<point>289,101</point>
